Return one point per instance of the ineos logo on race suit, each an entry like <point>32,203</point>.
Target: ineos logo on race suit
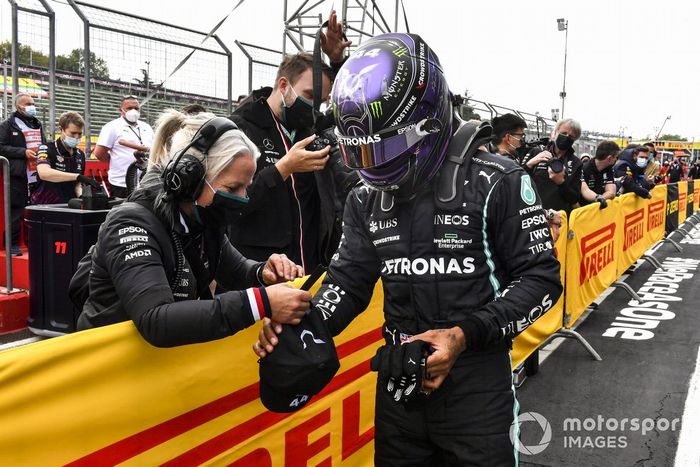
<point>532,316</point>
<point>448,219</point>
<point>432,266</point>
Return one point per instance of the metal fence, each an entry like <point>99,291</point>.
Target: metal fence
<point>130,48</point>
<point>539,126</point>
<point>262,64</point>
<point>33,26</point>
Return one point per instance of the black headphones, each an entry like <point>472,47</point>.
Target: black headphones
<point>183,177</point>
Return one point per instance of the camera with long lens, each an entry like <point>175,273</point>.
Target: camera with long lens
<point>325,133</point>
<point>556,165</point>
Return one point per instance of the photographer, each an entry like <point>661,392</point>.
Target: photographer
<point>598,181</point>
<point>157,254</point>
<point>292,206</point>
<point>555,168</point>
<point>629,175</point>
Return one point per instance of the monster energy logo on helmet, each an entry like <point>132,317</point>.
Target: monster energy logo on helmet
<point>376,109</point>
<point>400,52</point>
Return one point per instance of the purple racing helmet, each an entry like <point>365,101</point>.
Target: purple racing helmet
<point>393,112</point>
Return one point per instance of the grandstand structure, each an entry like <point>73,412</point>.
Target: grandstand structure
<point>106,96</point>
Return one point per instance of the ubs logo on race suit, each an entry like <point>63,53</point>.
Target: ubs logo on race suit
<point>634,228</point>
<point>382,224</point>
<point>597,252</point>
<point>655,215</point>
<point>430,266</point>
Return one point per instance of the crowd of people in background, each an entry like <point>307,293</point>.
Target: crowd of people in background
<point>566,181</point>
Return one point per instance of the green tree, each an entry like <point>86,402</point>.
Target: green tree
<point>27,55</point>
<point>74,62</point>
<point>672,138</point>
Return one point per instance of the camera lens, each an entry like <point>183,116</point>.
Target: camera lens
<point>556,165</point>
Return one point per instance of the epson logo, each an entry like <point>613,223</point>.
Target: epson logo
<point>131,229</point>
<point>359,140</point>
<point>405,129</point>
<point>432,266</point>
<point>449,219</point>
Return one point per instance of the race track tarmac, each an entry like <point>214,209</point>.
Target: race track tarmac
<point>627,410</point>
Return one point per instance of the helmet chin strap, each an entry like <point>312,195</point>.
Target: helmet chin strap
<point>409,185</point>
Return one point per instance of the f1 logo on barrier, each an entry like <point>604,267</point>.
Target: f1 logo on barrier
<point>655,215</point>
<point>597,251</point>
<point>634,228</point>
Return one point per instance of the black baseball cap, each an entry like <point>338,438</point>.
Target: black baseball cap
<point>302,364</point>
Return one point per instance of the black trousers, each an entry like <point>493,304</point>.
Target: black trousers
<point>118,191</point>
<point>466,422</point>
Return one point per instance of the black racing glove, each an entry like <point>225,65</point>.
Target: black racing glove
<point>603,202</point>
<point>401,369</point>
<point>88,181</point>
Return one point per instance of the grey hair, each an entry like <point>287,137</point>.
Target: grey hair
<point>18,97</point>
<point>174,131</point>
<point>574,124</point>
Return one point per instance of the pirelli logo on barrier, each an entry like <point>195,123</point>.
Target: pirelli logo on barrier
<point>672,207</point>
<point>655,215</point>
<point>597,251</point>
<point>634,228</point>
<point>681,199</point>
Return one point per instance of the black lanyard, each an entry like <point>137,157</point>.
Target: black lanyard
<point>138,135</point>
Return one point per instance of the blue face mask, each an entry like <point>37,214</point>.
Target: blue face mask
<point>30,110</point>
<point>642,162</point>
<point>71,142</point>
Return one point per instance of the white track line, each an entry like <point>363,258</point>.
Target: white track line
<point>688,452</point>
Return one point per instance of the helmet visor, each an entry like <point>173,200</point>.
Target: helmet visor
<point>370,151</point>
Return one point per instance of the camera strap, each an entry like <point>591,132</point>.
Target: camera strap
<point>317,72</point>
<point>464,144</point>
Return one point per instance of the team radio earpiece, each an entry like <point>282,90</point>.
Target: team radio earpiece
<point>183,177</point>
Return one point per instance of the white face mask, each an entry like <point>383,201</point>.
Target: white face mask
<point>30,110</point>
<point>132,115</point>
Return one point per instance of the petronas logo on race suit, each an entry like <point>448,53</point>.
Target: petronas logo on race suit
<point>400,52</point>
<point>527,193</point>
<point>376,109</point>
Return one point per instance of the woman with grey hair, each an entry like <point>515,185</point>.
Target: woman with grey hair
<point>158,254</point>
